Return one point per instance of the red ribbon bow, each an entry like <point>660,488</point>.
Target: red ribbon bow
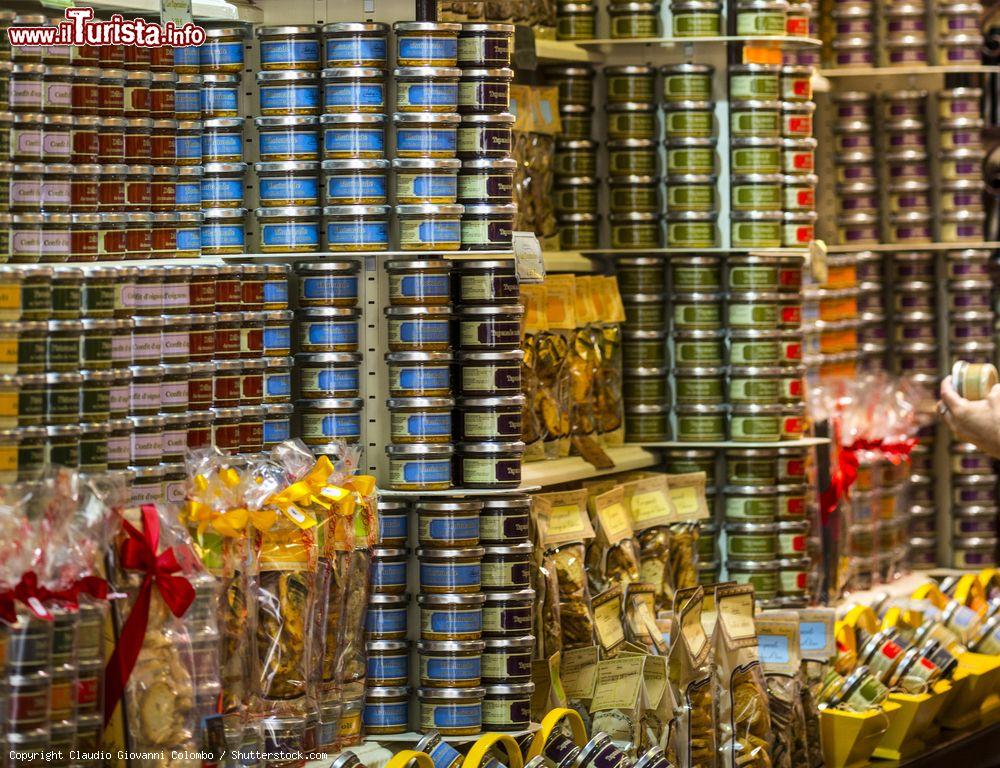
<point>138,553</point>
<point>846,472</point>
<point>28,591</point>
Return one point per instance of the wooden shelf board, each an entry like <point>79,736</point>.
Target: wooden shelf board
<point>805,442</point>
<point>868,72</point>
<point>573,468</point>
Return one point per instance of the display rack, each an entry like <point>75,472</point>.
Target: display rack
<point>903,72</point>
<point>574,468</point>
<point>608,43</point>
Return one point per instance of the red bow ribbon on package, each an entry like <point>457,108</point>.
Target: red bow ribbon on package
<point>843,476</point>
<point>138,553</point>
<point>32,595</point>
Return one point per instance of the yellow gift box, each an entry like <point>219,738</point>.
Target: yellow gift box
<point>850,738</point>
<point>913,724</point>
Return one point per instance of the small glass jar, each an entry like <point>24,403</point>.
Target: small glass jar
<point>222,52</point>
<point>353,44</point>
<point>222,231</point>
<point>353,135</point>
<point>288,139</point>
<point>289,47</point>
<point>328,329</point>
<point>420,467</point>
<point>353,90</point>
<point>426,44</point>
<point>485,136</point>
<point>696,18</point>
<point>357,227</point>
<point>222,140</point>
<point>288,184</point>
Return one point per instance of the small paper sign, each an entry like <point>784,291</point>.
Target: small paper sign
<point>178,12</point>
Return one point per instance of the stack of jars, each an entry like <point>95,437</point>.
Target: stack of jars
<point>96,153</point>
<point>633,198</point>
<point>875,523</point>
<point>904,129</point>
<point>958,33</point>
<point>327,356</point>
<point>904,33</point>
<point>960,202</point>
<point>915,316</point>
<point>799,180</point>
<point>803,21</point>
<point>575,162</point>
<point>858,201</point>
<point>691,198</point>
<point>475,647</point>
<point>922,525</point>
<point>125,368</point>
<point>772,156</point>
<point>872,325</point>
<point>767,510</point>
<point>54,676</point>
<point>646,387</point>
<point>853,36</point>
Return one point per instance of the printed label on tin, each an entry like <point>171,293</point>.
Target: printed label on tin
<point>489,378</point>
<point>328,288</point>
<point>419,332</point>
<point>491,426</point>
<point>352,142</point>
<point>463,621</point>
<point>420,425</point>
<point>443,530</point>
<point>329,334</point>
<point>386,621</point>
<point>427,186</point>
<point>380,715</point>
<point>289,143</point>
<point>289,52</point>
<point>215,100</point>
<point>367,233</point>
<point>423,95</point>
<point>450,575</point>
<point>388,574</point>
<point>387,668</point>
<point>339,425</point>
<point>449,668</point>
<point>220,236</point>
<point>291,235</point>
<point>454,716</point>
<point>354,51</point>
<point>427,141</point>
<point>403,472</point>
<point>334,382</point>
<point>355,188</point>
<point>426,51</point>
<point>288,191</point>
<point>353,95</point>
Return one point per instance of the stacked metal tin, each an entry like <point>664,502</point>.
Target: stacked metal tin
<point>958,33</point>
<point>915,316</point>
<point>858,202</point>
<point>850,37</point>
<point>873,316</point>
<point>904,130</point>
<point>922,524</point>
<point>328,355</point>
<point>642,281</point>
<point>125,368</point>
<point>798,156</point>
<point>959,198</point>
<point>575,160</point>
<point>630,116</point>
<point>475,645</point>
<point>691,136</point>
<point>904,33</point>
<point>576,21</point>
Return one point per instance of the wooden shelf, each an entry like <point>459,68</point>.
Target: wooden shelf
<point>203,10</point>
<point>695,251</point>
<point>891,247</point>
<point>902,72</point>
<point>555,51</point>
<point>805,442</point>
<point>567,261</point>
<point>574,468</point>
<point>605,43</point>
<point>285,258</point>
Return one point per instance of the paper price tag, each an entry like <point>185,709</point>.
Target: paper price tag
<point>528,258</point>
<point>176,11</point>
<point>812,636</point>
<point>565,519</point>
<point>773,649</point>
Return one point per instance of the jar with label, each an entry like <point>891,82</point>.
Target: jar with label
<point>420,419</point>
<point>755,118</point>
<point>430,227</point>
<point>700,423</point>
<point>426,135</point>
<point>419,282</point>
<point>576,21</point>
<point>696,18</point>
<point>353,135</point>
<point>578,231</point>
<point>489,464</point>
<point>426,44</point>
<point>484,328</point>
<point>761,17</point>
<point>450,617</point>
<point>288,184</point>
<point>426,181</point>
<point>419,374</point>
<point>328,329</point>
<point>490,418</point>
<point>694,156</point>
<point>324,421</point>
<point>490,373</point>
<point>419,328</point>
<point>417,467</point>
<point>357,227</point>
<point>288,139</point>
<point>755,423</point>
<point>645,311</point>
<point>483,91</point>
<point>488,227</point>
<point>690,192</point>
<point>485,136</point>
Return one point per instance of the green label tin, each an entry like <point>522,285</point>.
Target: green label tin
<point>754,85</point>
<point>753,316</point>
<point>751,509</point>
<point>632,125</point>
<point>756,196</point>
<point>693,123</point>
<point>696,277</point>
<point>631,162</point>
<point>694,160</point>
<point>754,390</point>
<point>634,25</point>
<point>755,427</point>
<point>753,277</point>
<point>699,427</point>
<point>756,160</point>
<point>752,546</point>
<point>701,316</point>
<point>756,122</point>
<point>696,24</point>
<point>699,391</point>
<point>623,88</point>
<point>754,352</point>
<point>635,235</point>
<point>756,234</point>
<point>690,234</point>
<point>691,197</point>
<point>683,86</point>
<point>698,352</point>
<point>762,22</point>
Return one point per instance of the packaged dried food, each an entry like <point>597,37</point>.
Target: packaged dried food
<point>691,675</point>
<point>613,555</point>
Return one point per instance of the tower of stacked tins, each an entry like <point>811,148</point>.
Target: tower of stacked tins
<point>575,161</point>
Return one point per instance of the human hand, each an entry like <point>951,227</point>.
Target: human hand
<point>973,421</point>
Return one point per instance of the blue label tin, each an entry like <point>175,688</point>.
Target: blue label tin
<point>427,140</point>
<point>348,96</point>
<point>418,286</point>
<point>188,147</point>
<point>218,235</point>
<point>354,141</point>
<point>216,99</point>
<point>379,715</point>
<point>429,95</point>
<point>188,103</point>
<point>221,147</point>
<point>329,287</point>
<point>215,53</point>
<point>286,97</point>
<point>189,239</point>
<point>290,235</point>
<point>421,379</point>
<point>435,186</point>
<point>427,471</point>
<point>387,668</point>
<point>367,233</point>
<point>458,715</point>
<point>388,574</point>
<point>187,56</point>
<point>341,425</point>
<point>276,292</point>
<point>335,380</point>
<point>277,384</point>
<point>414,331</point>
<point>288,53</point>
<point>449,574</point>
<point>429,424</point>
<point>444,755</point>
<point>324,333</point>
<point>386,621</point>
<point>430,49</point>
<point>393,527</point>
<point>277,430</point>
<point>450,529</point>
<point>300,144</point>
<point>288,191</point>
<point>188,192</point>
<point>355,187</point>
<point>217,190</point>
<point>458,668</point>
<point>455,622</point>
<point>439,232</point>
<point>348,52</point>
<point>277,338</point>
